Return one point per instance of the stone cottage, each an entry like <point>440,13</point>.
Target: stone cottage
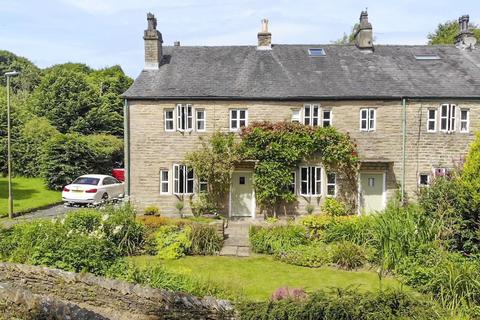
<point>412,111</point>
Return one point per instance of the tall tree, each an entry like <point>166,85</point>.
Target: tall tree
<point>446,32</point>
<point>64,97</point>
<point>30,74</point>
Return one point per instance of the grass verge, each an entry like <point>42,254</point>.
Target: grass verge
<point>28,194</point>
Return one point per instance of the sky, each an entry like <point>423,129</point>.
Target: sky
<point>103,33</point>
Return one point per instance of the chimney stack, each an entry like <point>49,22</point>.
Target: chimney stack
<point>465,39</point>
<point>264,37</point>
<point>153,44</point>
<point>364,34</point>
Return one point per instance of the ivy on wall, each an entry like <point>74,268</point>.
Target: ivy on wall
<point>277,148</point>
<point>281,147</point>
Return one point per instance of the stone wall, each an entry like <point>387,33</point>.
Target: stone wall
<point>31,290</point>
<point>153,149</point>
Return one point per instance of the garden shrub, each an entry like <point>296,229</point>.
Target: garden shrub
<point>334,207</point>
<point>67,156</point>
<point>154,222</point>
<point>312,255</point>
<point>399,232</point>
<point>449,277</point>
<point>152,211</point>
<point>202,204</point>
<point>86,240</point>
<point>173,242</point>
<point>204,240</point>
<point>273,239</point>
<point>289,293</point>
<point>348,255</point>
<point>345,305</point>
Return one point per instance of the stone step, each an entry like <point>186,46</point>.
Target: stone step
<point>229,251</point>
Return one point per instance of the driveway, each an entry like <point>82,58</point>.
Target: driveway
<point>50,213</point>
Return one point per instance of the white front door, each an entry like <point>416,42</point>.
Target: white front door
<point>242,196</point>
<point>372,192</point>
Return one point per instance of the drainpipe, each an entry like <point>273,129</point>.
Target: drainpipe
<point>404,152</point>
<point>126,116</point>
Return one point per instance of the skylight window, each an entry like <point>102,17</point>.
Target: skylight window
<point>428,56</point>
<point>316,52</point>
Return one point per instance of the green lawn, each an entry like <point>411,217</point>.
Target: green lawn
<point>258,277</point>
<point>28,194</point>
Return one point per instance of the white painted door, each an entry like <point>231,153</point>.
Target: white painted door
<point>372,190</point>
<point>242,201</point>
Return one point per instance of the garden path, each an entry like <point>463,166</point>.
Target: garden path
<point>237,241</point>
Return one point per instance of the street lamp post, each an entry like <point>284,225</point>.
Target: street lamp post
<point>8,75</point>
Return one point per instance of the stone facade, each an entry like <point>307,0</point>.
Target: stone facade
<point>34,292</point>
<point>153,149</point>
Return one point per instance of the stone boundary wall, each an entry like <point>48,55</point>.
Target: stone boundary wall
<point>54,289</point>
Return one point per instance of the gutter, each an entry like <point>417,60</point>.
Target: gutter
<point>404,152</point>
<point>126,137</point>
<point>296,98</point>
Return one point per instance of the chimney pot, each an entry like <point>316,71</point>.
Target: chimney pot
<point>364,34</point>
<point>264,37</point>
<point>465,39</point>
<point>153,43</point>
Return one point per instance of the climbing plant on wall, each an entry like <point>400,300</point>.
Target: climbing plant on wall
<point>281,147</point>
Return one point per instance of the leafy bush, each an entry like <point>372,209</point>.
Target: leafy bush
<point>452,279</point>
<point>349,228</point>
<point>344,305</point>
<point>203,204</point>
<point>86,240</point>
<point>289,293</point>
<point>334,207</point>
<point>348,255</point>
<point>154,222</point>
<point>311,255</point>
<point>68,156</point>
<point>204,240</point>
<point>399,232</point>
<point>152,211</point>
<point>275,239</point>
<point>309,208</point>
<point>173,242</point>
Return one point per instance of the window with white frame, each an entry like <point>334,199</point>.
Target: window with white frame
<point>432,120</point>
<point>184,117</point>
<point>238,119</point>
<point>464,120</point>
<point>296,115</point>
<point>169,120</point>
<point>200,119</point>
<point>182,179</point>
<point>202,185</point>
<point>424,179</point>
<point>326,118</point>
<point>310,181</point>
<point>368,119</point>
<point>164,181</point>
<point>293,183</point>
<point>331,184</point>
<point>311,114</point>
<point>447,117</point>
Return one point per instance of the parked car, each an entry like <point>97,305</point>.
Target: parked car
<point>119,174</point>
<point>93,189</point>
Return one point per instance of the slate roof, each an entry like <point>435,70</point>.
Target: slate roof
<point>287,72</point>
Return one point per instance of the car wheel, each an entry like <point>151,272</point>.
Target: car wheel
<point>105,198</point>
